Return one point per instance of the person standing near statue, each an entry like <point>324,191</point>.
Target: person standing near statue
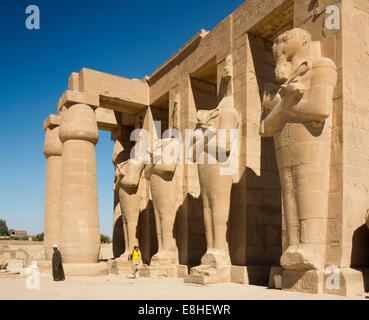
<point>58,271</point>
<point>135,258</point>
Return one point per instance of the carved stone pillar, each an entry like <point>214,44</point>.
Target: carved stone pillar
<point>130,203</point>
<point>79,229</point>
<point>164,191</point>
<point>216,179</point>
<point>129,196</point>
<point>52,152</point>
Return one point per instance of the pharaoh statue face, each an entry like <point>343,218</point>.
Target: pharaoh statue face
<point>290,49</point>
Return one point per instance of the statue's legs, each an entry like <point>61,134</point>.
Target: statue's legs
<point>208,220</point>
<point>304,172</point>
<point>118,231</point>
<point>167,223</point>
<point>164,196</point>
<point>130,204</point>
<point>130,200</point>
<point>216,193</point>
<point>125,233</point>
<point>290,214</point>
<point>132,231</point>
<point>219,206</point>
<point>158,226</point>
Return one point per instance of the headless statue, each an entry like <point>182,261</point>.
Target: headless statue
<point>216,186</point>
<point>297,118</point>
<point>130,196</point>
<point>164,192</point>
<point>129,184</point>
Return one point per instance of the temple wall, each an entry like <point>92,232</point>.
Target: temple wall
<point>355,63</point>
<point>134,91</point>
<point>35,250</point>
<point>253,11</point>
<point>254,234</point>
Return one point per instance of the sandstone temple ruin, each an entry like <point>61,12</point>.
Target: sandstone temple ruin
<point>296,93</point>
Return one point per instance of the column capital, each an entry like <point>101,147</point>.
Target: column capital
<point>70,97</point>
<point>79,123</point>
<point>52,121</point>
<point>52,145</point>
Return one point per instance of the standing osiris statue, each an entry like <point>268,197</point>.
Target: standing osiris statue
<point>298,116</point>
<point>215,183</point>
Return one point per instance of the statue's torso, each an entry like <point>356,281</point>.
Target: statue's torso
<point>301,141</point>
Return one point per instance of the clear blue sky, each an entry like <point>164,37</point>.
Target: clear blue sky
<point>125,38</point>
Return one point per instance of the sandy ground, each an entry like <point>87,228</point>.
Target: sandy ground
<point>115,287</point>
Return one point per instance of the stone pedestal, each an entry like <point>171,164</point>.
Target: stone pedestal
<point>167,271</point>
<point>182,271</point>
<point>209,275</point>
<point>130,202</point>
<point>250,275</point>
<point>215,267</point>
<point>274,271</point>
<point>348,282</point>
<point>52,152</point>
<point>79,224</point>
<point>120,266</point>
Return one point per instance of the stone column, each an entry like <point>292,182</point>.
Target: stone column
<point>79,229</point>
<point>52,152</point>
